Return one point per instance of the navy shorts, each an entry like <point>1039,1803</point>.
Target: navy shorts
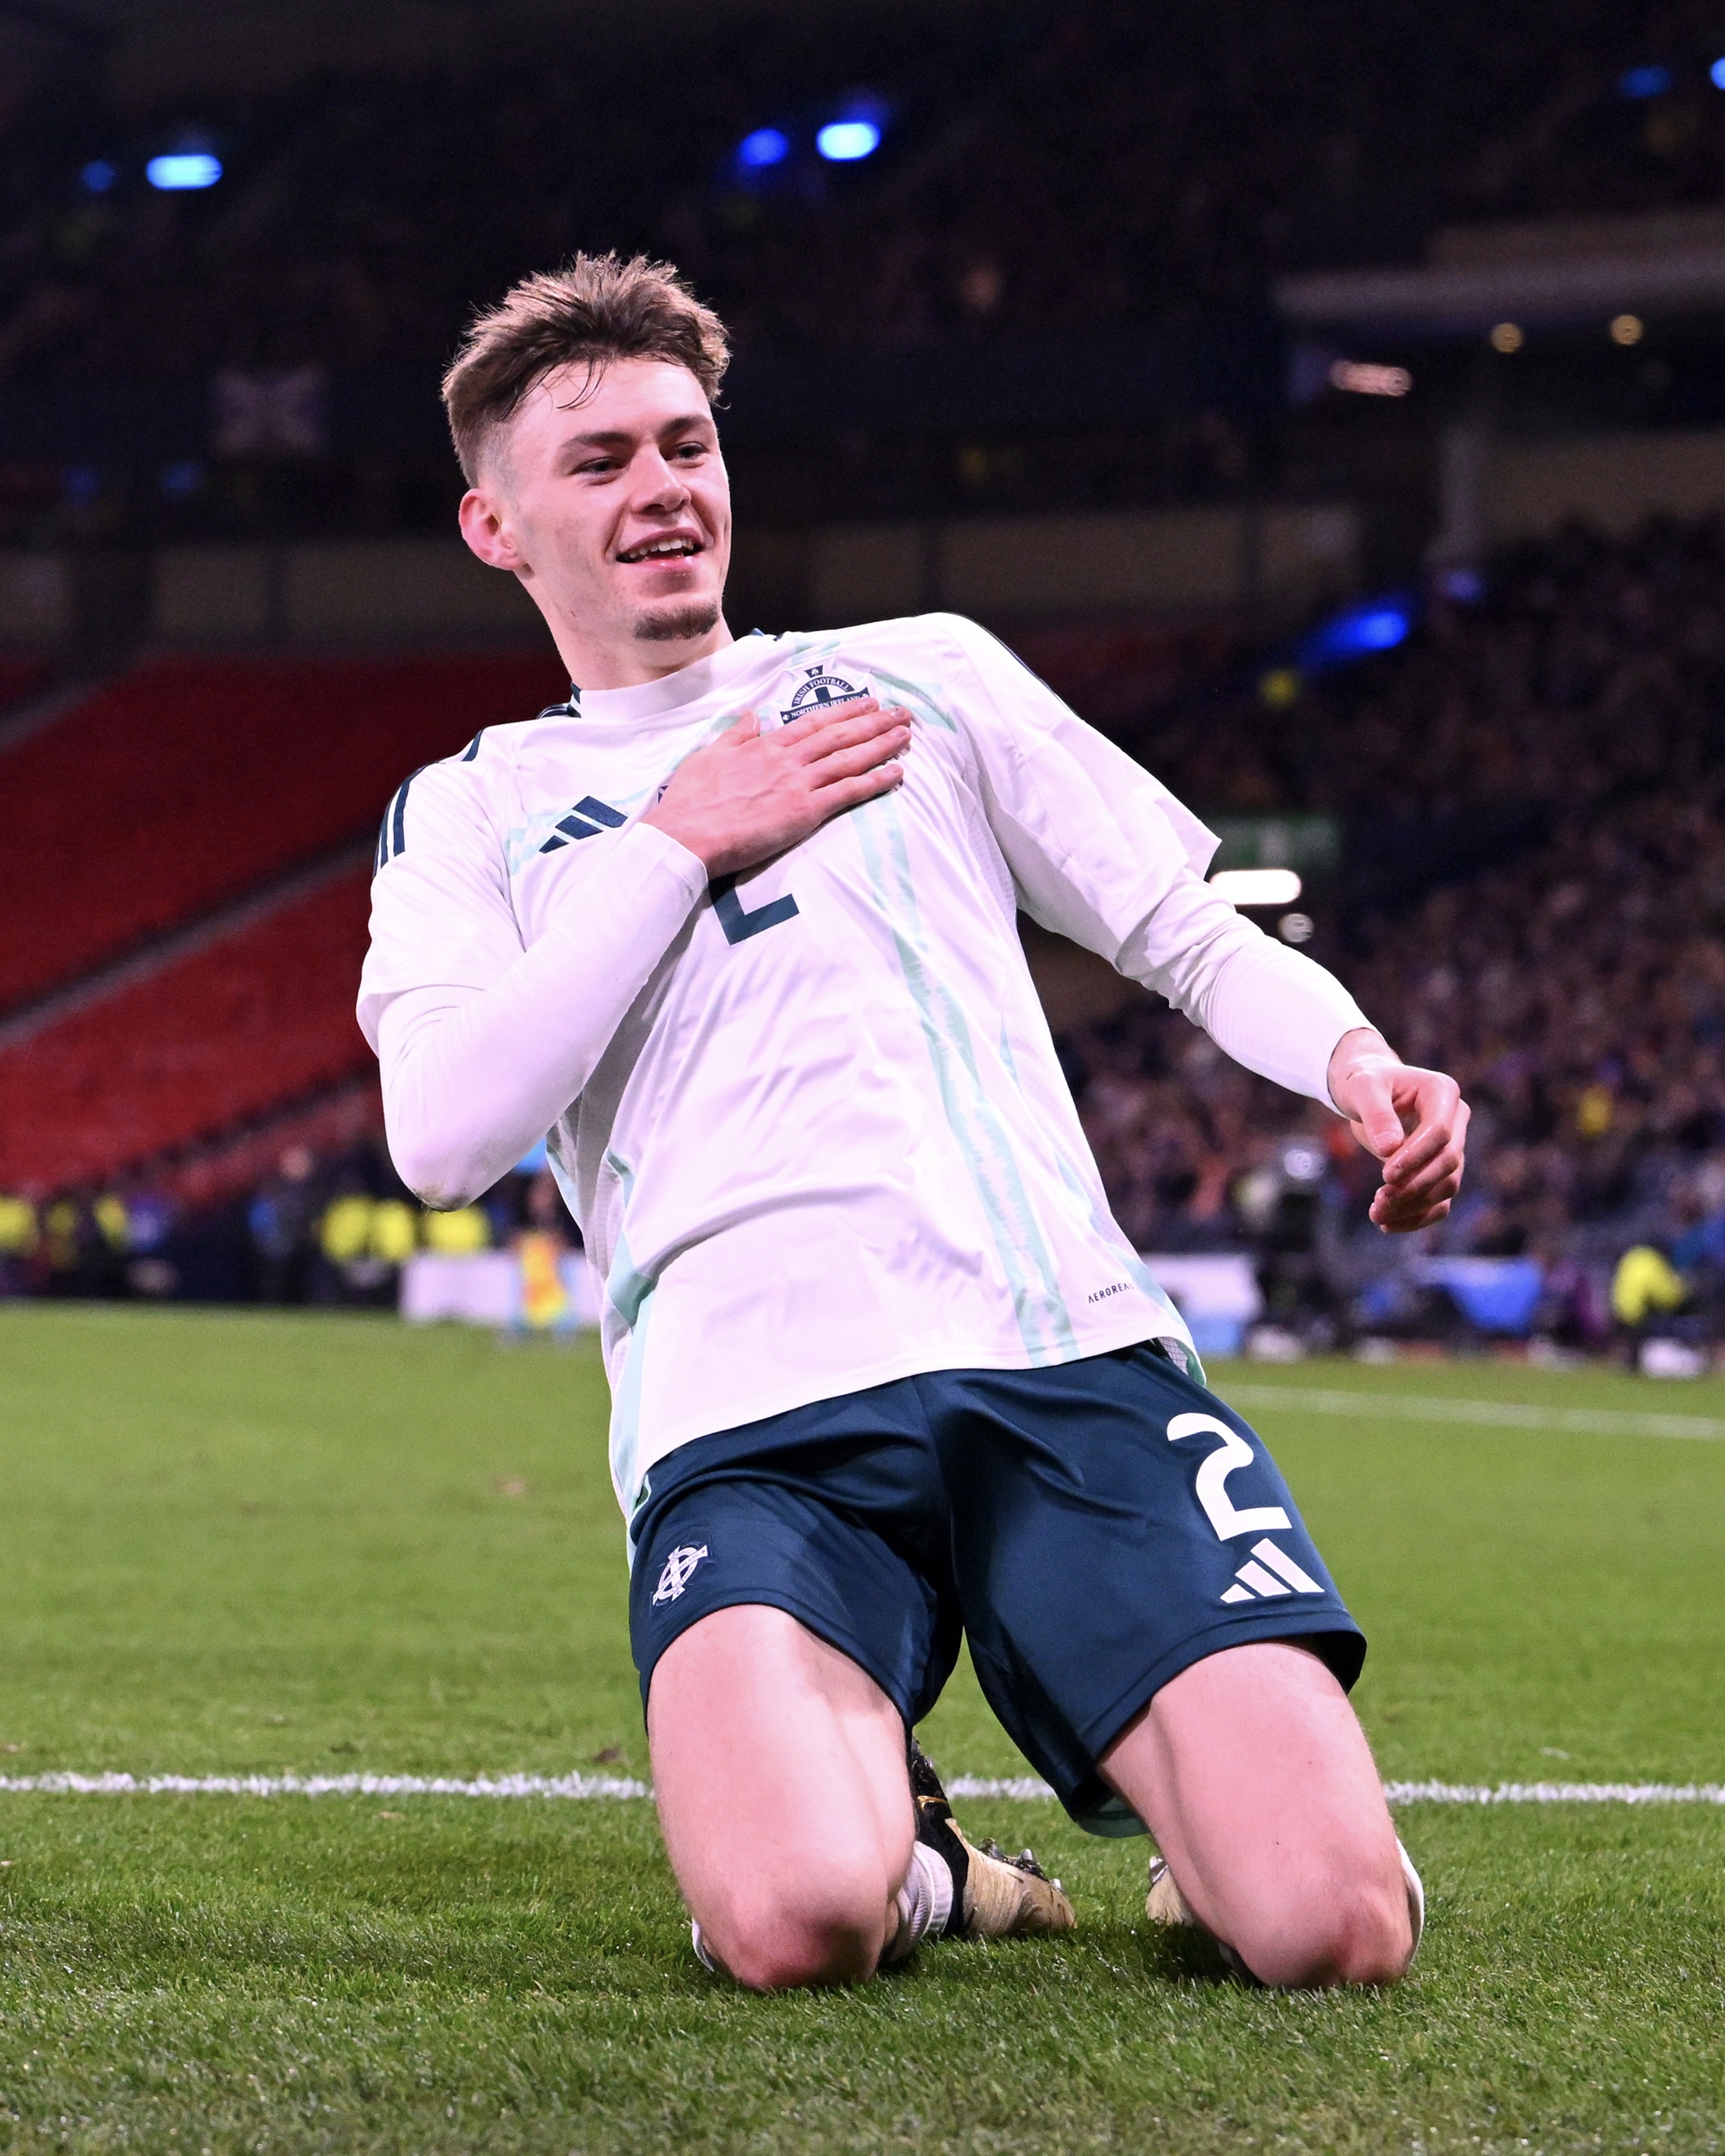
<point>1093,1528</point>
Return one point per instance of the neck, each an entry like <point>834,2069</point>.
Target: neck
<point>600,663</point>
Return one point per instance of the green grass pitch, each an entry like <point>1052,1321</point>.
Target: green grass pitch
<point>270,1543</point>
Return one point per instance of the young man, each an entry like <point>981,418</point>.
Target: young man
<point>736,926</point>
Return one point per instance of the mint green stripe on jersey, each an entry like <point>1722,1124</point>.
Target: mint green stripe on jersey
<point>626,1413</point>
<point>1043,1320</point>
<point>917,700</point>
<point>630,1292</point>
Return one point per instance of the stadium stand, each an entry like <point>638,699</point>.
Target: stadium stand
<point>1229,142</point>
<point>1571,974</point>
<point>20,678</point>
<point>233,1030</point>
<point>189,782</point>
<point>1540,758</point>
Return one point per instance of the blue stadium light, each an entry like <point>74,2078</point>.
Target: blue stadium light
<point>843,141</point>
<point>1374,625</point>
<point>1380,630</point>
<point>1466,586</point>
<point>1652,81</point>
<point>98,176</point>
<point>767,145</point>
<point>183,169</point>
<point>1716,74</point>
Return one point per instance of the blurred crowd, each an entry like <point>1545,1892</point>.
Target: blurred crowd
<point>1572,709</point>
<point>333,1230</point>
<point>1565,714</point>
<point>1043,167</point>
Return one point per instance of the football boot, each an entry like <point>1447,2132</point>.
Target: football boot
<point>994,1896</point>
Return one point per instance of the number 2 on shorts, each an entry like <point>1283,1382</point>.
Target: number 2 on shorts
<point>1211,1487</point>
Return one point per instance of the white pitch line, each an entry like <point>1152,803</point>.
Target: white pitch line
<point>1556,1793</point>
<point>580,1786</point>
<point>1491,1414</point>
<point>591,1787</point>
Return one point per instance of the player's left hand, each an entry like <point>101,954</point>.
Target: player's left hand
<point>1414,1121</point>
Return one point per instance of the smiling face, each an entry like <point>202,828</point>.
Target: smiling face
<point>608,498</point>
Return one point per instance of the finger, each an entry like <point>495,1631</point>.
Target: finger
<point>824,717</point>
<point>1424,1144</point>
<point>1439,1119</point>
<point>846,763</point>
<point>1441,1178</point>
<point>856,726</point>
<point>834,800</point>
<point>1437,1188</point>
<point>1372,1113</point>
<point>1427,1220</point>
<point>845,730</point>
<point>1400,1212</point>
<point>1390,1204</point>
<point>747,729</point>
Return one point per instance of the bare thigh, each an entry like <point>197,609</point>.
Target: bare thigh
<point>784,1796</point>
<point>1252,1772</point>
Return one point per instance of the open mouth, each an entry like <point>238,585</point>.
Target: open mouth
<point>678,549</point>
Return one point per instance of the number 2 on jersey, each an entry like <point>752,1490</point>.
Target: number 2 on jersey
<point>739,926</point>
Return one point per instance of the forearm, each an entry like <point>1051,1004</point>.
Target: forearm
<point>1271,1008</point>
<point>473,1077</point>
<point>1277,1013</point>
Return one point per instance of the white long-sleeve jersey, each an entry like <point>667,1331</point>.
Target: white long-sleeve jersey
<point>809,1120</point>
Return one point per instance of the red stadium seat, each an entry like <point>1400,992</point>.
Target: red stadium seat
<point>231,1031</point>
<point>186,783</point>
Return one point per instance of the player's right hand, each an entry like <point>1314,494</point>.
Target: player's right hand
<point>750,795</point>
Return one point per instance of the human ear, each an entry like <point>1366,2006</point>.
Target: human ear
<point>484,526</point>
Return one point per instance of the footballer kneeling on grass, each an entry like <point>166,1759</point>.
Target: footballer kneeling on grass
<point>736,924</point>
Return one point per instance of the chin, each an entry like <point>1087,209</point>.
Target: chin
<point>677,621</point>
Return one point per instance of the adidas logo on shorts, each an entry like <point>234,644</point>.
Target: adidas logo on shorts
<point>1270,1572</point>
<point>679,1570</point>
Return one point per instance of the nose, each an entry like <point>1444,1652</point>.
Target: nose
<point>660,486</point>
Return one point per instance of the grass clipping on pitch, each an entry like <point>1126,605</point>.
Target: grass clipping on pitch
<point>238,1546</point>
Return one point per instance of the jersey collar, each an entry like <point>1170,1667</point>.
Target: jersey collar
<point>672,694</point>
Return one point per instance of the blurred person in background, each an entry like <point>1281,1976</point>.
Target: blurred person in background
<point>281,1220</point>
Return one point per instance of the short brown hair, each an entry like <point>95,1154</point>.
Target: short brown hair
<point>596,308</point>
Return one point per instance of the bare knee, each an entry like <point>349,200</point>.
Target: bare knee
<point>772,1937</point>
<point>1359,1931</point>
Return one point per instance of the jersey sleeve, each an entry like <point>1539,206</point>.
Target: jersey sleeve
<point>1104,853</point>
<point>485,1040</point>
<point>1094,843</point>
<point>441,916</point>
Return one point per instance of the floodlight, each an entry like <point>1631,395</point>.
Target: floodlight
<point>843,141</point>
<point>1256,886</point>
<point>181,169</point>
<point>1357,631</point>
<point>1716,74</point>
<point>1361,378</point>
<point>767,145</point>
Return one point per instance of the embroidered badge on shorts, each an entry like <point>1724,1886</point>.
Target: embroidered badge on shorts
<point>679,1570</point>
